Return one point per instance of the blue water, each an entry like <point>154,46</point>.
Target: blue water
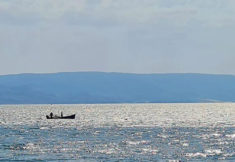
<point>130,144</point>
<point>67,140</point>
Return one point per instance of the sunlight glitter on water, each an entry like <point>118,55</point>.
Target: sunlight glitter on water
<point>118,132</point>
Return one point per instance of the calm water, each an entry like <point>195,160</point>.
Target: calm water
<point>127,132</point>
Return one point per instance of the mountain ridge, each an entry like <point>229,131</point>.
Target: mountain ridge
<point>112,87</point>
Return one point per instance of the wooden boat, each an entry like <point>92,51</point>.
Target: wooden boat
<point>61,117</point>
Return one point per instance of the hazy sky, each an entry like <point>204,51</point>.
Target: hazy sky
<point>140,36</point>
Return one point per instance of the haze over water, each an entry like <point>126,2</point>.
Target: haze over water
<point>112,132</point>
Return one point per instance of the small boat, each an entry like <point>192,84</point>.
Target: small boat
<point>61,117</point>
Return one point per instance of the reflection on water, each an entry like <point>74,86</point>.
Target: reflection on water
<point>119,132</point>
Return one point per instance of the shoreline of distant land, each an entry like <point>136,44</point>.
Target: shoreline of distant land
<point>115,88</point>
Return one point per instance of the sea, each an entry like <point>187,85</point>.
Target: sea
<point>118,132</point>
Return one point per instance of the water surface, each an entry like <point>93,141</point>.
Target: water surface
<point>126,132</point>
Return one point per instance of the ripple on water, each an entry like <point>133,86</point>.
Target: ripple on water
<point>145,132</point>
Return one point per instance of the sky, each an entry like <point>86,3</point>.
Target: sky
<point>130,36</point>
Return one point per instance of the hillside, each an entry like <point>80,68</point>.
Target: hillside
<point>98,87</point>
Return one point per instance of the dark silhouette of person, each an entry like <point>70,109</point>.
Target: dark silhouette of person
<point>51,114</point>
<point>61,114</point>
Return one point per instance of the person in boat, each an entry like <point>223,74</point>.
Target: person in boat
<point>61,113</point>
<point>51,114</point>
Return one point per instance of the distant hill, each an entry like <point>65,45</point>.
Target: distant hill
<point>98,87</point>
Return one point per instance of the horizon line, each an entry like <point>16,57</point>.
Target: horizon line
<point>134,73</point>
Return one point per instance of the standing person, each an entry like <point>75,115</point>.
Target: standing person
<point>61,113</point>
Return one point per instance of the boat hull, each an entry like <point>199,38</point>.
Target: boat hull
<point>59,117</point>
